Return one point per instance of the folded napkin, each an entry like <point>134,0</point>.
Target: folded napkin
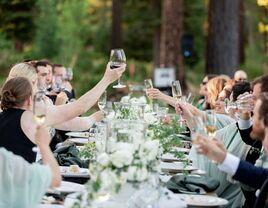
<point>68,155</point>
<point>192,184</point>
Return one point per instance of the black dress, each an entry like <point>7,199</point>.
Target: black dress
<point>12,137</point>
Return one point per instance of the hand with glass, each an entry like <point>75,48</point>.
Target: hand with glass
<point>102,101</point>
<point>176,90</point>
<point>117,59</point>
<point>39,108</point>
<point>210,119</point>
<point>148,84</point>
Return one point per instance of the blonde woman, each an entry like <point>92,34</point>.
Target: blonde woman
<point>214,87</point>
<point>57,115</point>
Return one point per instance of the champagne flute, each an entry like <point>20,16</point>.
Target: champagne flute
<point>102,100</point>
<point>176,90</point>
<point>39,108</point>
<point>210,120</point>
<point>117,59</point>
<point>148,84</point>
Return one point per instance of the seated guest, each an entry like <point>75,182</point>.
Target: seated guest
<point>18,106</point>
<point>201,104</point>
<point>23,184</point>
<point>240,76</point>
<point>245,172</point>
<point>59,71</point>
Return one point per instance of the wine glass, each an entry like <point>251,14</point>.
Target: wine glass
<point>148,84</point>
<point>57,85</point>
<point>69,74</point>
<point>210,120</point>
<point>39,108</point>
<point>41,85</point>
<point>176,90</point>
<point>117,59</point>
<point>102,100</point>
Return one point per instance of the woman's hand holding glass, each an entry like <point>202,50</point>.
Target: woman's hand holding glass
<point>117,59</point>
<point>213,149</point>
<point>39,108</point>
<point>111,75</point>
<point>176,90</point>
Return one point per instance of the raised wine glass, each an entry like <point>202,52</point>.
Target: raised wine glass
<point>117,59</point>
<point>102,100</point>
<point>210,120</point>
<point>39,108</point>
<point>148,84</point>
<point>69,74</point>
<point>176,90</point>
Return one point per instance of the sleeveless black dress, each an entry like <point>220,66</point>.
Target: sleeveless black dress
<point>12,137</point>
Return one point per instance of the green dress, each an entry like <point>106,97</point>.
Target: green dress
<point>22,185</point>
<point>229,189</point>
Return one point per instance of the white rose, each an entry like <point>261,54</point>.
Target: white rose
<point>134,100</point>
<point>108,179</point>
<point>137,174</point>
<point>121,158</point>
<point>150,149</point>
<point>142,100</point>
<point>149,118</point>
<point>125,99</point>
<point>103,159</point>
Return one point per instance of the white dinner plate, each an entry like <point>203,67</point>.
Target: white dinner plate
<point>202,200</point>
<point>169,157</point>
<point>175,167</point>
<point>82,141</point>
<point>180,149</point>
<point>83,172</point>
<point>68,187</point>
<point>78,134</point>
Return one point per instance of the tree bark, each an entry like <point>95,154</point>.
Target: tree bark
<point>171,34</point>
<point>157,34</point>
<point>242,32</point>
<point>116,41</point>
<point>223,37</point>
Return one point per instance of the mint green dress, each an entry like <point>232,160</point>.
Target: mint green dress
<point>22,185</point>
<point>229,189</point>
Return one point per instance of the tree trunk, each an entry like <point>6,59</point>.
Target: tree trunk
<point>157,34</point>
<point>242,33</point>
<point>223,37</point>
<point>116,24</point>
<point>171,34</point>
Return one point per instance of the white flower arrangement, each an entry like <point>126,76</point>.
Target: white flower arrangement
<point>132,159</point>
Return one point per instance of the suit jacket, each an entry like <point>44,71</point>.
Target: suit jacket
<point>251,175</point>
<point>261,201</point>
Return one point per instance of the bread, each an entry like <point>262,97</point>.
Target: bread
<point>74,168</point>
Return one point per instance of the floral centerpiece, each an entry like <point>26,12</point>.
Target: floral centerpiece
<point>134,141</point>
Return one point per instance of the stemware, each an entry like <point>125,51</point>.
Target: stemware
<point>176,90</point>
<point>102,100</point>
<point>39,108</point>
<point>57,85</point>
<point>117,59</point>
<point>69,74</point>
<point>210,120</point>
<point>148,84</point>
